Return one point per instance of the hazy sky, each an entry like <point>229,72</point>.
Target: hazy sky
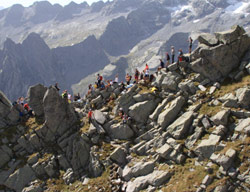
<point>26,3</point>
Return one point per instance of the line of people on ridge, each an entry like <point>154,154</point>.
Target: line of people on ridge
<point>22,106</point>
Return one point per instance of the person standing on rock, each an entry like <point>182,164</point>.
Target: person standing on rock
<point>190,40</point>
<point>116,79</point>
<point>137,73</point>
<point>128,78</point>
<point>99,80</point>
<point>168,60</point>
<point>90,115</point>
<point>56,86</point>
<point>172,54</point>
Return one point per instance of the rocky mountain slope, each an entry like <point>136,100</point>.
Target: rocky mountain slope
<point>101,38</point>
<point>189,133</point>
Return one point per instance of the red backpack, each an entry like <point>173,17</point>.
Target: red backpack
<point>100,78</point>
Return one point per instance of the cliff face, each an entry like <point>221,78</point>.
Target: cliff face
<point>182,131</point>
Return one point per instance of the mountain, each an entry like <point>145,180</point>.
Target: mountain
<point>132,31</point>
<point>186,128</point>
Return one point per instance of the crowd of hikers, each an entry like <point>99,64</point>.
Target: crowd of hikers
<point>22,106</point>
<point>143,75</point>
<point>25,111</point>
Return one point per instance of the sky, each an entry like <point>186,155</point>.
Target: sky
<point>26,3</point>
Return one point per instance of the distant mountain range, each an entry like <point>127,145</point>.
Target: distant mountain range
<point>47,43</point>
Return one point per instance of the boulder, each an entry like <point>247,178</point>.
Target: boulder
<point>141,111</point>
<point>171,80</point>
<point>59,114</point>
<point>218,61</point>
<point>119,156</point>
<point>179,128</point>
<point>221,118</point>
<point>207,146</point>
<point>156,178</point>
<point>160,107</point>
<point>121,131</point>
<point>228,37</point>
<point>170,112</point>
<point>190,141</point>
<point>164,151</point>
<point>4,158</point>
<point>208,39</point>
<point>95,166</point>
<point>35,99</point>
<point>243,95</point>
<point>139,169</point>
<point>243,126</point>
<point>99,117</point>
<point>20,178</point>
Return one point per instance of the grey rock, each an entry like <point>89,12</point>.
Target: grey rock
<point>160,107</point>
<point>243,95</point>
<point>207,180</point>
<point>33,188</point>
<point>63,162</point>
<point>243,126</point>
<point>171,80</point>
<point>207,146</point>
<point>164,151</point>
<point>119,156</point>
<point>121,131</point>
<point>4,158</point>
<point>190,141</point>
<point>173,67</point>
<point>68,176</point>
<point>220,130</point>
<point>228,37</point>
<point>99,117</point>
<point>221,118</point>
<point>35,99</point>
<point>208,39</point>
<point>179,128</point>
<point>170,112</point>
<point>59,114</point>
<point>139,169</point>
<point>50,169</point>
<point>141,111</point>
<point>95,166</point>
<point>156,178</point>
<point>205,122</point>
<point>20,178</point>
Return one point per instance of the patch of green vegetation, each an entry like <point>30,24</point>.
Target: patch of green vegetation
<point>185,180</point>
<point>206,109</point>
<point>106,150</point>
<point>230,87</point>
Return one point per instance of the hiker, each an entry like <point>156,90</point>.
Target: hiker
<point>77,97</point>
<point>141,76</point>
<point>124,118</point>
<point>69,97</point>
<point>116,79</point>
<point>172,54</point>
<point>102,86</point>
<point>65,94</point>
<point>28,110</point>
<point>146,74</point>
<point>137,73</point>
<point>99,80</point>
<point>168,60</point>
<point>128,78</point>
<point>151,78</point>
<point>122,86</point>
<point>90,89</point>
<point>56,86</point>
<point>180,56</point>
<point>90,116</point>
<point>146,67</point>
<point>120,113</point>
<point>190,40</point>
<point>161,63</point>
<point>95,85</point>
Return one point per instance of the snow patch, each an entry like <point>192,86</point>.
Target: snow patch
<point>237,7</point>
<point>196,21</point>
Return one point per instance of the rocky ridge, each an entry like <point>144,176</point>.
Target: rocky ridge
<point>192,133</point>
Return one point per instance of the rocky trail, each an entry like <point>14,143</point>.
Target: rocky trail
<point>191,134</point>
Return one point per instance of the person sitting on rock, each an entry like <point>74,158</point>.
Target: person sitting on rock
<point>65,94</point>
<point>116,79</point>
<point>128,78</point>
<point>28,110</point>
<point>180,56</point>
<point>161,64</point>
